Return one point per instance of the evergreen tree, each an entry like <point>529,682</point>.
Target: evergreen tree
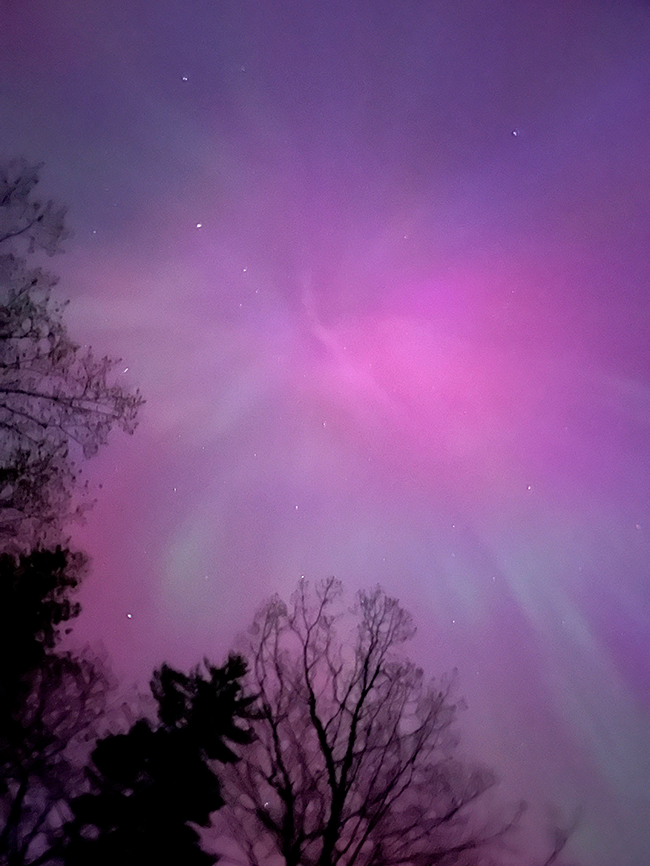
<point>50,705</point>
<point>154,784</point>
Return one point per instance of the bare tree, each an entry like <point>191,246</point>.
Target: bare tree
<point>58,401</point>
<point>354,757</point>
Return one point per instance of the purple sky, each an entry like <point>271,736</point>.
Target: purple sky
<point>381,270</point>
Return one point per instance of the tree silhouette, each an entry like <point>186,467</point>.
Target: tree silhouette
<point>50,705</point>
<point>353,757</point>
<point>40,225</point>
<point>57,400</point>
<point>35,600</point>
<point>150,782</point>
<point>58,403</point>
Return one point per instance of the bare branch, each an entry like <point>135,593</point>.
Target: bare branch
<point>353,757</point>
<point>55,397</point>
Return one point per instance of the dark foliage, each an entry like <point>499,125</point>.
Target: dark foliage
<point>43,750</point>
<point>150,782</point>
<point>50,704</point>
<point>35,601</point>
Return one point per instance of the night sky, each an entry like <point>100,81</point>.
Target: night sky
<point>381,269</point>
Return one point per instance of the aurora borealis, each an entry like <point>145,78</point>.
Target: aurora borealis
<point>381,272</point>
